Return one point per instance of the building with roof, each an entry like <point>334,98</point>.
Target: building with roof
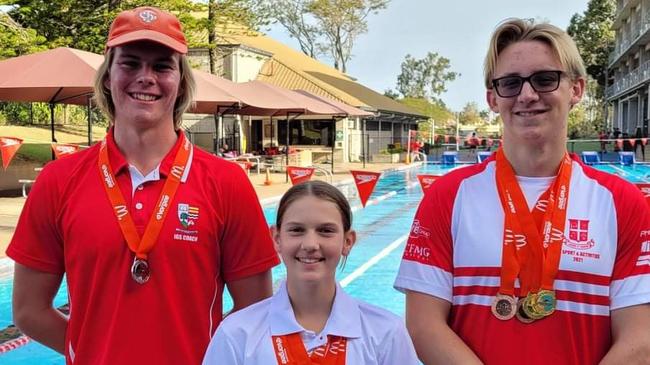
<point>628,84</point>
<point>246,57</point>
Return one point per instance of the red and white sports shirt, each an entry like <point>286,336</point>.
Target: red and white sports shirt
<point>215,233</point>
<point>454,253</point>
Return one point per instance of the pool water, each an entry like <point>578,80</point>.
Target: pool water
<point>382,227</point>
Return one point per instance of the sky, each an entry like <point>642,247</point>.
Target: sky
<point>458,30</point>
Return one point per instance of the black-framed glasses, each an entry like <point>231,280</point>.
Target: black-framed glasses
<point>540,81</point>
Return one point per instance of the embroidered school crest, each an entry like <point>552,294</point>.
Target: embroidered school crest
<point>187,214</point>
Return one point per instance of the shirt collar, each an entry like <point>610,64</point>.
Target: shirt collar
<point>344,320</point>
<point>120,164</point>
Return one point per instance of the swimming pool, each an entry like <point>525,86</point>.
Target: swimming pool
<point>382,228</point>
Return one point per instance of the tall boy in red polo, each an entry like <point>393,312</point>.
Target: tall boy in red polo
<point>146,228</point>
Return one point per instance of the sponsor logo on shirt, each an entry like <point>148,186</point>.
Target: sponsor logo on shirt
<point>417,230</point>
<point>282,352</point>
<point>644,257</point>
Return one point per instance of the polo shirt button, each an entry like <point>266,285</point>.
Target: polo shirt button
<point>140,187</point>
<point>138,206</point>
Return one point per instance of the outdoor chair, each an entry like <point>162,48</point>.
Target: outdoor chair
<point>626,158</point>
<point>590,157</point>
<point>482,155</point>
<point>449,157</point>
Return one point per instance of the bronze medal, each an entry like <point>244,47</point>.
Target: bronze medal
<point>140,271</point>
<point>504,307</point>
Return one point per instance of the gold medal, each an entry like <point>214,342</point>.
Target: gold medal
<point>521,315</point>
<point>545,302</point>
<point>529,308</point>
<point>504,307</point>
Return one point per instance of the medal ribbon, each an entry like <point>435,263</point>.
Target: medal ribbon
<point>141,247</point>
<point>532,241</point>
<point>290,350</point>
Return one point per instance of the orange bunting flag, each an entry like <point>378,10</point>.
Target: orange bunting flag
<point>365,182</point>
<point>631,140</point>
<point>299,174</point>
<point>645,189</point>
<point>619,143</point>
<point>62,150</point>
<point>644,141</point>
<point>8,148</point>
<point>426,181</point>
<point>446,139</point>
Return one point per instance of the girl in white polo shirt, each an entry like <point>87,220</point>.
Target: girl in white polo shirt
<point>311,320</point>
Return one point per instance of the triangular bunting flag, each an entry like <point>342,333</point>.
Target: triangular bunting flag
<point>631,140</point>
<point>365,182</point>
<point>62,150</point>
<point>426,181</point>
<point>299,174</point>
<point>644,141</point>
<point>8,148</point>
<point>619,143</point>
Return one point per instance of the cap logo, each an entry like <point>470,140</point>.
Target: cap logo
<point>148,16</point>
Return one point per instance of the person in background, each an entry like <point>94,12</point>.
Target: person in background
<point>638,142</point>
<point>146,228</point>
<point>530,257</point>
<point>311,320</point>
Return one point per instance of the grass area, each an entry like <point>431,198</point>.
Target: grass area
<point>36,139</point>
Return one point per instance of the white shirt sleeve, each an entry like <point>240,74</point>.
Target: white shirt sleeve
<point>223,350</point>
<point>397,347</point>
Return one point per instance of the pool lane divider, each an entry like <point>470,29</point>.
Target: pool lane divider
<point>373,260</point>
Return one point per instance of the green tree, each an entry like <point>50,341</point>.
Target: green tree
<point>471,115</point>
<point>593,34</point>
<point>578,125</point>
<point>326,26</point>
<point>426,77</point>
<point>16,40</point>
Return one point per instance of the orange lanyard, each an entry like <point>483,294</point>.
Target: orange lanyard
<point>141,247</point>
<point>289,350</point>
<point>531,251</point>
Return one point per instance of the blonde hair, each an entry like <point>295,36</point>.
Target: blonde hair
<point>515,30</point>
<point>187,89</point>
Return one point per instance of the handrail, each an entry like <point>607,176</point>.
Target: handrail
<point>328,175</point>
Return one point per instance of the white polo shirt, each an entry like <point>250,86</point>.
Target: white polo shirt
<point>375,336</point>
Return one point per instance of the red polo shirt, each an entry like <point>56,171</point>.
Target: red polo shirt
<point>214,233</point>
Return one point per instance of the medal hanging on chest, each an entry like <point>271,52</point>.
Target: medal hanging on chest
<point>290,350</point>
<point>532,244</point>
<point>140,269</point>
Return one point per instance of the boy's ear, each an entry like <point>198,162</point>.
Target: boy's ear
<point>349,240</point>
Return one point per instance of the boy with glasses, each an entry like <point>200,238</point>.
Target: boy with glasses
<point>531,256</point>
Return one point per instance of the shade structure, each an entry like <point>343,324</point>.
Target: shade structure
<point>213,94</point>
<point>60,75</point>
<point>263,99</point>
<point>350,110</point>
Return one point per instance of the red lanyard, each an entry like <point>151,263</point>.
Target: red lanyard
<point>141,247</point>
<point>535,254</point>
<point>289,350</point>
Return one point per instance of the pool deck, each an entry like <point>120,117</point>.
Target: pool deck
<point>10,208</point>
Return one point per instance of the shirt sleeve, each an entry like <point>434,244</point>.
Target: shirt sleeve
<point>37,241</point>
<point>426,264</point>
<point>631,275</point>
<point>398,347</point>
<point>246,245</point>
<point>223,350</point>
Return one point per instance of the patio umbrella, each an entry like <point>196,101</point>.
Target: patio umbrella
<point>212,93</point>
<point>350,110</point>
<point>60,75</point>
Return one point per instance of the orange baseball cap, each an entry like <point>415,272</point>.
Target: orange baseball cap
<point>147,23</point>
